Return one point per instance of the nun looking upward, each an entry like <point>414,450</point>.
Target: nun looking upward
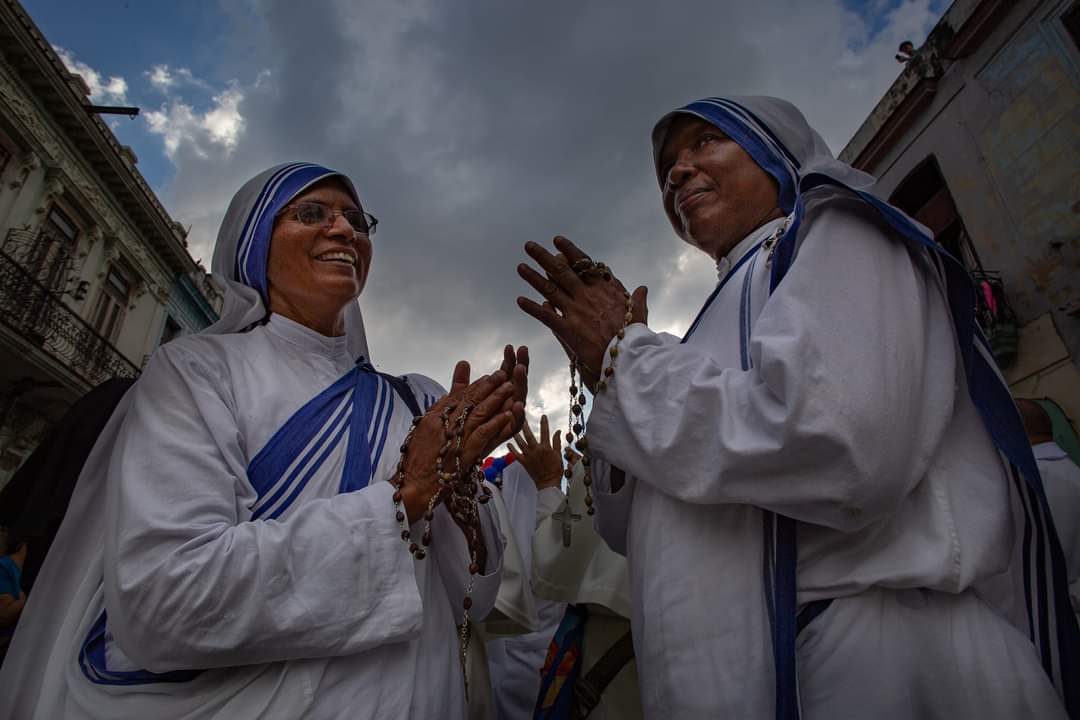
<point>823,490</point>
<point>263,528</point>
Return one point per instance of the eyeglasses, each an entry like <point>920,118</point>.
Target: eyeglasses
<point>317,214</point>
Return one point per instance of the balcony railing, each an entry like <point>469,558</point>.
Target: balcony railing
<point>37,314</point>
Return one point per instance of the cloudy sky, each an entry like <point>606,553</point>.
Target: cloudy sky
<point>470,127</point>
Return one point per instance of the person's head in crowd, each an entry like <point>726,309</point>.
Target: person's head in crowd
<point>1037,422</point>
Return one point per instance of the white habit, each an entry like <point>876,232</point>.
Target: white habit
<point>590,573</point>
<point>319,613</point>
<point>854,420</point>
<point>1061,480</point>
<point>516,658</point>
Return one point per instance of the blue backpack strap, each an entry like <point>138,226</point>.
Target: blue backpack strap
<point>1046,588</point>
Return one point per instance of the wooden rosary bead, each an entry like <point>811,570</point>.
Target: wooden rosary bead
<point>467,603</point>
<point>474,568</point>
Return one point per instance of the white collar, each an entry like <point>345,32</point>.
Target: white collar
<point>724,264</point>
<point>1048,451</point>
<point>305,338</point>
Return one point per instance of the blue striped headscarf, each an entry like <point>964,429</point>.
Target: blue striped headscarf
<point>243,247</point>
<point>780,140</point>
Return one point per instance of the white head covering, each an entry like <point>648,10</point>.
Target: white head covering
<point>243,247</point>
<point>780,140</point>
<point>41,673</point>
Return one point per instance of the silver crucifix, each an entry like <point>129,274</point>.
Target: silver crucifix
<point>566,516</point>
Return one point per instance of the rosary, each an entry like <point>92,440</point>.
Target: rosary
<point>576,429</point>
<point>462,493</point>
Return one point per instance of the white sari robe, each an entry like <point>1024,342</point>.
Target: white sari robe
<point>320,613</point>
<point>854,420</point>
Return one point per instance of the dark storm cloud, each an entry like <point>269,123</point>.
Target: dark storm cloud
<point>471,128</point>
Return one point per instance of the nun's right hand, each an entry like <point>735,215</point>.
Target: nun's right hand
<point>494,414</point>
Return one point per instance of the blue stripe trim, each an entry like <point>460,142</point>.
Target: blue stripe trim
<point>772,144</point>
<point>334,428</point>
<point>271,462</point>
<point>244,244</point>
<point>247,237</point>
<point>254,266</point>
<point>744,315</point>
<point>752,143</point>
<point>1040,587</point>
<point>716,291</point>
<point>357,472</point>
<point>385,431</point>
<point>778,557</point>
<point>93,665</point>
<point>308,475</point>
<point>788,155</point>
<point>1026,550</point>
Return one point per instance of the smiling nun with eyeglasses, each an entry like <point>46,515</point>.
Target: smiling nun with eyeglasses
<point>268,527</point>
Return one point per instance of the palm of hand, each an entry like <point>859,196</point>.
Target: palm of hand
<point>541,459</point>
<point>583,312</point>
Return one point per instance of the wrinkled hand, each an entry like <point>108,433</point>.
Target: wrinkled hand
<point>543,459</point>
<point>583,314</point>
<point>498,411</point>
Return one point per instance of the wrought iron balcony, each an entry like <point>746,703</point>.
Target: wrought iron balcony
<point>36,313</point>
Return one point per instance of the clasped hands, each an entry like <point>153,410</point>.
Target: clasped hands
<point>584,305</point>
<point>496,404</point>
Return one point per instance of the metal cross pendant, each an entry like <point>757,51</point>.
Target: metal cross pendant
<point>566,516</point>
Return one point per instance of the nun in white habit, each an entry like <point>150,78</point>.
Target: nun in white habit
<point>823,490</point>
<point>233,549</point>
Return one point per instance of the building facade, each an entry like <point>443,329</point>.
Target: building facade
<point>979,138</point>
<point>94,273</point>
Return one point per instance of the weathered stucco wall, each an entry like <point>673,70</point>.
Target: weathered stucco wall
<point>1004,126</point>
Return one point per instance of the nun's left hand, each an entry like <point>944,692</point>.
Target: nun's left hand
<point>584,313</point>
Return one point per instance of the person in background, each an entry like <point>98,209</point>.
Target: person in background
<point>575,570</point>
<point>34,502</point>
<point>1061,480</point>
<point>12,597</point>
<point>516,654</point>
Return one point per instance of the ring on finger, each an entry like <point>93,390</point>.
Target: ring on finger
<point>586,268</point>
